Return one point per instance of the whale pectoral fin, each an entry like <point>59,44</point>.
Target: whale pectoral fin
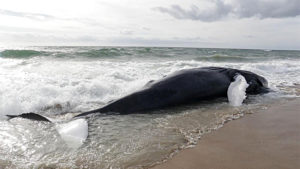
<point>236,91</point>
<point>74,133</point>
<point>31,116</point>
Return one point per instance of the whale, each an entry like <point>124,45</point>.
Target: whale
<point>179,88</point>
<point>183,87</point>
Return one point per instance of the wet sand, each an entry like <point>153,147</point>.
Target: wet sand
<point>268,139</point>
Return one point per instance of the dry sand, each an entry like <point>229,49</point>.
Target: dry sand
<point>269,139</point>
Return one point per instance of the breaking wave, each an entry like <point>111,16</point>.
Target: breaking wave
<point>138,53</point>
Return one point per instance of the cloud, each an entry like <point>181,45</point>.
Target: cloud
<point>34,16</point>
<point>126,32</point>
<point>45,17</point>
<point>45,39</point>
<point>220,9</point>
<point>163,42</point>
<point>216,12</point>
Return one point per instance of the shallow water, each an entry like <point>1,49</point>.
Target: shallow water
<point>61,81</point>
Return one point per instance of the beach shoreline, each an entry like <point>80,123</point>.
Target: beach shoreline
<point>269,138</point>
<point>83,78</point>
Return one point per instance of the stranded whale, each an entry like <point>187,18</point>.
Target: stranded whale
<point>182,87</point>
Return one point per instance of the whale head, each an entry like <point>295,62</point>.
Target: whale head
<point>257,84</point>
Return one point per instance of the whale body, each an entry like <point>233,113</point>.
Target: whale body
<point>183,87</point>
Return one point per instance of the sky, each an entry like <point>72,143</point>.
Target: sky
<point>254,24</point>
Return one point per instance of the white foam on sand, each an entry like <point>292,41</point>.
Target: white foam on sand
<point>236,92</point>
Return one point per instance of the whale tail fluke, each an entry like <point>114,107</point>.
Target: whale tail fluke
<point>74,132</point>
<point>31,116</point>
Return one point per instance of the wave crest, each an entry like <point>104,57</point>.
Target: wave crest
<point>20,53</point>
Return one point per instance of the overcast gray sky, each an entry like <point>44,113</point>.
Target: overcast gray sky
<point>263,24</point>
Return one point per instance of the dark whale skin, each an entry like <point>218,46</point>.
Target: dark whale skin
<point>183,87</point>
<point>31,116</point>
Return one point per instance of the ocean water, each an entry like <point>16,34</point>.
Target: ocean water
<point>60,82</point>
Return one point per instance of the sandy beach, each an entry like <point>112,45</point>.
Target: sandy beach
<point>267,139</point>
